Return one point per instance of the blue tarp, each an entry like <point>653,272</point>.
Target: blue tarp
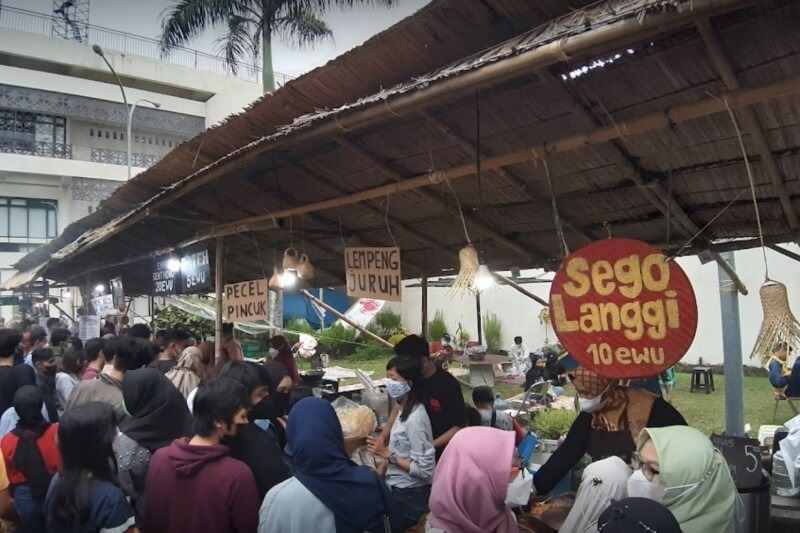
<point>296,306</point>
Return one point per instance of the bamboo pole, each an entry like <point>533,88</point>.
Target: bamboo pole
<point>653,121</point>
<point>514,285</point>
<point>343,318</point>
<point>219,262</point>
<point>424,313</point>
<point>595,41</point>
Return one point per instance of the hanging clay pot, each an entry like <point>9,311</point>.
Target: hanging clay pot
<point>290,259</point>
<point>275,281</point>
<point>304,267</point>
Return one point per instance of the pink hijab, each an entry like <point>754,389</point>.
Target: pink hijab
<point>471,482</point>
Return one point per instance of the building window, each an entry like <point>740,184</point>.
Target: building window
<point>27,218</point>
<point>91,132</point>
<point>32,132</point>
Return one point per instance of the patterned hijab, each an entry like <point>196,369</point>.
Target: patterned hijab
<point>622,408</point>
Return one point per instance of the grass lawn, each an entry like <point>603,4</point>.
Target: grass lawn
<point>705,412</point>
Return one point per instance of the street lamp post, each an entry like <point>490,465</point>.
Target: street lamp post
<point>130,109</point>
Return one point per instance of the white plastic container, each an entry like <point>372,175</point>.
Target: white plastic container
<point>766,434</point>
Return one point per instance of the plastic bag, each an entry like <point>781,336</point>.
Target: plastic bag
<point>358,421</point>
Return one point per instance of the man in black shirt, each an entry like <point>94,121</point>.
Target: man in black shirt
<point>12,376</point>
<point>439,390</point>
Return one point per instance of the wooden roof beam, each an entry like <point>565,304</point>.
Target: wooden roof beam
<point>749,120</point>
<point>468,148</point>
<point>783,251</point>
<point>431,196</point>
<point>374,210</point>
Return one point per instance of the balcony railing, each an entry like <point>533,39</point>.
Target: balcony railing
<point>41,24</point>
<point>42,149</point>
<point>119,157</point>
<point>10,144</point>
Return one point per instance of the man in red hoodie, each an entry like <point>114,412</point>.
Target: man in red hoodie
<point>192,484</point>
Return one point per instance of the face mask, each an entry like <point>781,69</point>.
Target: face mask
<point>397,389</point>
<point>590,405</point>
<point>639,487</point>
<point>273,352</point>
<point>445,343</point>
<point>519,490</point>
<point>270,407</point>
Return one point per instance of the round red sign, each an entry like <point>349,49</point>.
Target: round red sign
<point>621,309</point>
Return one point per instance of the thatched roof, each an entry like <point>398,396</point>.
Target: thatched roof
<point>582,97</point>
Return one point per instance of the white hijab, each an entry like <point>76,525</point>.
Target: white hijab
<point>602,483</point>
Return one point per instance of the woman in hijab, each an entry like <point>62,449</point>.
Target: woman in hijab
<point>280,352</point>
<point>680,468</point>
<point>186,374</point>
<point>602,483</point>
<point>157,415</point>
<point>637,515</point>
<point>471,484</point>
<point>31,455</point>
<point>609,423</point>
<point>328,493</point>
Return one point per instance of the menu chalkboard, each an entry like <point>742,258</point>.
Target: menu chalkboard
<point>744,459</point>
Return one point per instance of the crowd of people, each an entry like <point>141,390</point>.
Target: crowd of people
<point>128,432</point>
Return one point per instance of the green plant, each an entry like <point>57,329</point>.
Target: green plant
<point>492,332</point>
<point>338,341</point>
<point>437,327</point>
<point>553,423</point>
<point>370,351</point>
<point>462,337</point>
<point>397,337</point>
<point>300,326</point>
<point>388,322</point>
<point>172,317</point>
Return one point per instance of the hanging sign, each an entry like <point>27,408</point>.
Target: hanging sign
<point>88,327</point>
<point>117,293</point>
<point>621,309</point>
<point>195,271</point>
<point>165,275</point>
<point>104,305</point>
<point>373,273</point>
<point>247,301</point>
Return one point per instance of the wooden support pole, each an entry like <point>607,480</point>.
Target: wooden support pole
<point>219,262</point>
<point>478,313</point>
<point>424,283</point>
<point>784,251</point>
<point>343,318</point>
<point>514,285</point>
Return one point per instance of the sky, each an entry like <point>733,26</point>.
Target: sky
<point>143,17</point>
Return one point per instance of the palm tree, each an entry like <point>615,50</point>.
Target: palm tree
<point>250,26</point>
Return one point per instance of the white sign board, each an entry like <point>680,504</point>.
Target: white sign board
<point>247,301</point>
<point>88,327</point>
<point>104,305</point>
<point>363,311</point>
<point>373,273</point>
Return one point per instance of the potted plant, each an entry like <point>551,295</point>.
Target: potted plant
<point>550,425</point>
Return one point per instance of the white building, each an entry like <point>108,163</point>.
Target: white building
<point>520,315</point>
<point>63,143</point>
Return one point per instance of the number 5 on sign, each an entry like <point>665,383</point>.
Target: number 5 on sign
<point>753,454</point>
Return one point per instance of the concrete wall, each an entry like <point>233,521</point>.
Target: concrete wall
<point>520,314</point>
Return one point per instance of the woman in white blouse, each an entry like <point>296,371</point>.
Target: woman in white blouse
<point>410,457</point>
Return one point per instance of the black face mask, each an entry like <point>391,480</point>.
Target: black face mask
<point>270,407</point>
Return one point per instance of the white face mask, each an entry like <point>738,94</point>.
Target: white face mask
<point>590,405</point>
<point>273,352</point>
<point>519,490</point>
<point>640,487</point>
<point>396,389</point>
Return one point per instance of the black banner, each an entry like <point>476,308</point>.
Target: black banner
<point>165,275</point>
<point>195,271</point>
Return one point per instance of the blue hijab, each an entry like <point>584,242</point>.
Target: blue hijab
<point>354,494</point>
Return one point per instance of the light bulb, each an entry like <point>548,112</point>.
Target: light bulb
<point>66,295</point>
<point>288,278</point>
<point>484,279</point>
<point>100,288</point>
<point>173,264</point>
